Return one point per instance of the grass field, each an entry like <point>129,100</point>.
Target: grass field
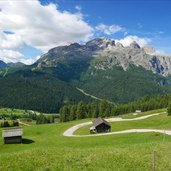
<point>45,148</point>
<point>132,115</point>
<point>159,122</point>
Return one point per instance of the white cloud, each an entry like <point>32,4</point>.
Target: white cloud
<point>14,56</point>
<point>142,41</point>
<point>109,29</point>
<point>27,61</point>
<point>11,41</point>
<point>78,7</point>
<point>38,57</point>
<point>10,55</point>
<point>42,27</point>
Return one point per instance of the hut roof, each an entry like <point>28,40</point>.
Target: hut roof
<point>92,128</point>
<point>12,133</point>
<point>99,121</point>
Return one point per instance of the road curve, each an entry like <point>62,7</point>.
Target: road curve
<point>70,132</point>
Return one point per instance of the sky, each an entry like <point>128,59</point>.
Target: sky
<point>29,28</point>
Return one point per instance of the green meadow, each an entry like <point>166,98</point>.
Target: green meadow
<point>162,121</point>
<point>45,148</point>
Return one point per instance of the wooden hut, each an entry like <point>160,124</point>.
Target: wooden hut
<point>12,136</point>
<point>138,111</point>
<point>100,125</point>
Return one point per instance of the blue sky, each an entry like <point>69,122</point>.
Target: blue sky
<point>66,21</point>
<point>143,18</point>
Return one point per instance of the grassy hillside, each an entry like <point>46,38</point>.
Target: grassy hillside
<point>45,148</point>
<point>163,122</point>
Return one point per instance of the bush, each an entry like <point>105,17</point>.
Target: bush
<point>15,123</point>
<point>9,124</point>
<point>5,124</point>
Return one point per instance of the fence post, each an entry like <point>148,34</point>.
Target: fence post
<point>164,135</point>
<point>154,161</point>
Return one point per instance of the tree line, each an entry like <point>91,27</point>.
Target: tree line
<point>6,123</point>
<point>105,109</point>
<point>40,119</point>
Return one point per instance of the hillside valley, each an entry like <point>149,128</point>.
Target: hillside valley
<point>85,85</point>
<point>101,67</point>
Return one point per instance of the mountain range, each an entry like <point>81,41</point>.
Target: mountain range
<point>3,64</point>
<point>114,54</point>
<point>10,64</point>
<point>99,69</point>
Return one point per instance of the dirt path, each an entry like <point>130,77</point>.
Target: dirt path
<point>94,97</point>
<point>24,124</point>
<point>70,132</point>
<point>168,132</point>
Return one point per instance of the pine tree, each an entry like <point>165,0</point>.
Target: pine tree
<point>61,117</point>
<point>51,119</point>
<point>169,109</point>
<point>81,110</point>
<point>64,114</point>
<point>114,111</point>
<point>73,111</point>
<point>108,110</point>
<point>95,112</point>
<point>102,108</point>
<point>89,112</point>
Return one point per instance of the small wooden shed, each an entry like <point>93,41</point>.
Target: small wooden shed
<point>100,125</point>
<point>12,136</point>
<point>138,111</point>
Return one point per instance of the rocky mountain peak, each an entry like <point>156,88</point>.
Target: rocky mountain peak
<point>102,43</point>
<point>149,50</point>
<point>104,49</point>
<point>74,45</point>
<point>16,64</point>
<point>2,64</point>
<point>120,45</point>
<point>135,45</point>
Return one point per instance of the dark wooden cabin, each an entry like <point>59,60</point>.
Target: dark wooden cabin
<point>100,126</point>
<point>12,136</point>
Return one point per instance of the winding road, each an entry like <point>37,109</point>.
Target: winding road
<point>70,132</point>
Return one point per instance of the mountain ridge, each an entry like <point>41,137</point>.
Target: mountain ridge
<point>108,69</point>
<point>10,64</point>
<point>101,67</point>
<point>3,64</point>
<point>115,52</point>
